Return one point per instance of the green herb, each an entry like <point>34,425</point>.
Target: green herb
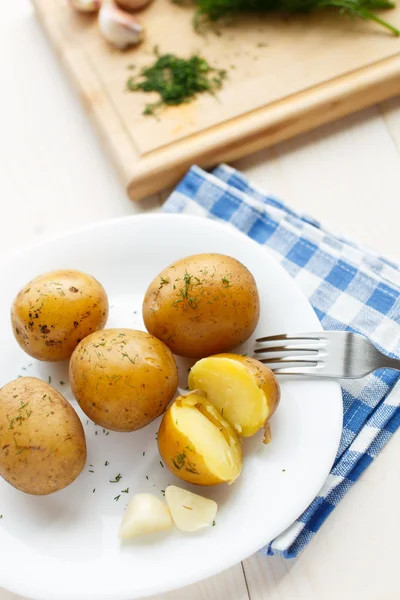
<point>144,453</point>
<point>147,476</point>
<point>225,282</point>
<point>222,411</point>
<point>125,355</point>
<point>117,497</point>
<point>125,491</point>
<point>1,516</point>
<point>91,471</point>
<point>161,464</point>
<point>61,382</point>
<point>179,460</point>
<point>283,470</point>
<point>106,463</point>
<point>118,477</point>
<point>213,10</point>
<point>94,491</point>
<point>213,523</point>
<point>49,378</point>
<point>176,80</point>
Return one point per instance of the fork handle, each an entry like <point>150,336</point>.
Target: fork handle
<point>386,362</point>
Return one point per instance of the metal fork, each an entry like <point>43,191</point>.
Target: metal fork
<point>337,354</point>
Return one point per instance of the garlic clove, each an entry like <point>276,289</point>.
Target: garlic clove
<point>132,5</point>
<point>189,511</point>
<point>86,6</point>
<point>118,27</point>
<point>145,513</point>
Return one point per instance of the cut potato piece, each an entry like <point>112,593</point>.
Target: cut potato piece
<point>197,444</point>
<point>189,511</point>
<point>243,390</point>
<point>145,513</point>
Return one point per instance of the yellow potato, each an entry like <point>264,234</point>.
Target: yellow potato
<point>244,391</point>
<point>55,311</point>
<point>43,447</point>
<point>123,379</point>
<point>197,444</point>
<point>202,305</point>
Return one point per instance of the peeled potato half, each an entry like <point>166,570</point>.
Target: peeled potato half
<point>245,391</point>
<point>197,444</point>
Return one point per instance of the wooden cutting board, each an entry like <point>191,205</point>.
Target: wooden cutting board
<point>286,76</point>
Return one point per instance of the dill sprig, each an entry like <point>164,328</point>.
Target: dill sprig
<point>364,9</point>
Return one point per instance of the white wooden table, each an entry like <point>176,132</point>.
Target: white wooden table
<point>54,176</point>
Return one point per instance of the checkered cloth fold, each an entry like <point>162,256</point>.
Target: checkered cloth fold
<point>350,288</point>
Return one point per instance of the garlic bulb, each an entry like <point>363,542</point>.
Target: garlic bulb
<point>86,6</point>
<point>118,27</point>
<point>133,4</point>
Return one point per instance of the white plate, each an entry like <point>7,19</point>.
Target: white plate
<point>65,546</point>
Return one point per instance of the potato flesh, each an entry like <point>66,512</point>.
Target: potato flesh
<point>145,513</point>
<point>233,390</point>
<point>190,512</point>
<point>209,437</point>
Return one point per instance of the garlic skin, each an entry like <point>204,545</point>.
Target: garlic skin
<point>86,6</point>
<point>132,5</point>
<point>118,27</point>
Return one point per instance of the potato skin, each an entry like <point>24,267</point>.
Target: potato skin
<point>265,379</point>
<point>43,447</point>
<point>54,311</point>
<point>171,443</point>
<point>201,305</point>
<point>123,379</point>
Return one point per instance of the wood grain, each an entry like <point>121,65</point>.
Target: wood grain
<point>286,76</point>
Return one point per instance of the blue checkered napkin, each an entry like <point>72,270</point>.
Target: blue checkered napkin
<point>350,288</point>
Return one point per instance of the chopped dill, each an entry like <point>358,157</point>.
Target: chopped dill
<point>176,80</point>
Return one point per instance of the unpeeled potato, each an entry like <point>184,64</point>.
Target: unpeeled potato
<point>197,444</point>
<point>244,391</point>
<point>202,304</point>
<point>122,378</point>
<point>42,442</point>
<point>55,311</point>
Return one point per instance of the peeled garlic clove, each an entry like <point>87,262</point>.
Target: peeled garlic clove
<point>86,6</point>
<point>189,511</point>
<point>145,513</point>
<point>133,4</point>
<point>118,27</point>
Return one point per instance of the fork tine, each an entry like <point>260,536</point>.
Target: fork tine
<point>290,362</point>
<point>296,349</point>
<point>299,371</point>
<point>296,337</point>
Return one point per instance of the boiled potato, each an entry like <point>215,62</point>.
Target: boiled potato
<point>55,311</point>
<point>145,513</point>
<point>123,379</point>
<point>43,447</point>
<point>202,305</point>
<point>244,391</point>
<point>190,512</point>
<point>197,444</point>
